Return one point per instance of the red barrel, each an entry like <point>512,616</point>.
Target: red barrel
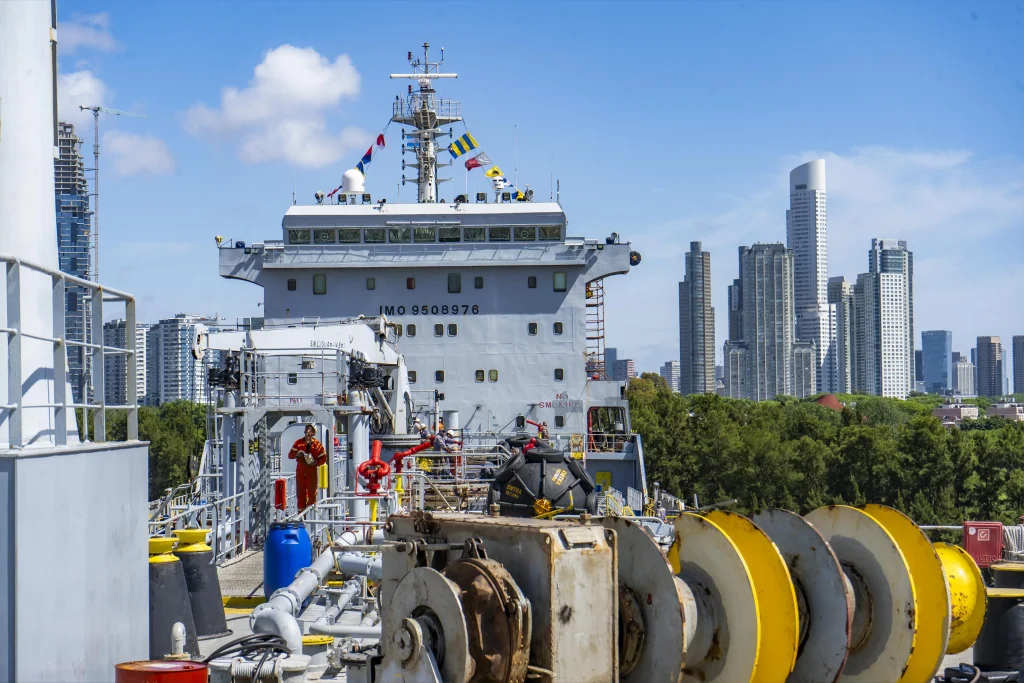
<point>161,672</point>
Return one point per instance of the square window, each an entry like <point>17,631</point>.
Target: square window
<point>349,235</point>
<point>531,282</point>
<point>439,330</point>
<point>559,281</point>
<point>439,376</point>
<point>319,283</point>
<point>479,375</point>
<point>559,374</point>
<point>557,328</point>
<point>448,235</point>
<point>373,235</point>
<point>410,283</point>
<point>499,234</point>
<point>293,378</point>
<point>474,234</point>
<point>453,330</point>
<point>531,329</point>
<point>298,236</point>
<point>399,235</point>
<point>550,233</point>
<point>371,283</point>
<point>526,233</point>
<point>412,377</point>
<point>424,234</point>
<point>322,236</point>
<point>454,283</point>
<point>292,286</point>
<point>492,375</point>
<point>411,330</point>
<point>478,282</point>
<point>559,420</point>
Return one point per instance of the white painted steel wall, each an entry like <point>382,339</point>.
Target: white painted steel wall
<point>73,575</point>
<point>27,215</point>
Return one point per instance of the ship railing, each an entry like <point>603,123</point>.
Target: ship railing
<point>608,442</point>
<point>635,500</point>
<point>92,401</point>
<point>330,515</point>
<point>417,103</point>
<point>223,518</point>
<point>454,253</point>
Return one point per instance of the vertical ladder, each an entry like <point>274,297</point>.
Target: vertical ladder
<point>595,330</point>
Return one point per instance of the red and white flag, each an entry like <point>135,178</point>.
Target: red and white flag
<point>479,160</point>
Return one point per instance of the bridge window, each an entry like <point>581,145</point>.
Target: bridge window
<point>348,235</point>
<point>492,376</point>
<point>439,376</point>
<point>292,286</point>
<point>453,330</point>
<point>410,330</point>
<point>454,283</point>
<point>531,329</point>
<point>560,281</point>
<point>499,234</point>
<point>422,234</point>
<point>448,234</point>
<point>298,236</point>
<point>526,233</point>
<point>559,420</point>
<point>373,235</point>
<point>439,330</point>
<point>531,282</point>
<point>479,375</point>
<point>293,378</point>
<point>410,283</point>
<point>371,283</point>
<point>325,236</point>
<point>478,282</point>
<point>559,374</point>
<point>412,377</point>
<point>320,283</point>
<point>550,233</point>
<point>557,328</point>
<point>474,234</point>
<point>399,235</point>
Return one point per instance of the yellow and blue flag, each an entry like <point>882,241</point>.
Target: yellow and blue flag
<point>462,145</point>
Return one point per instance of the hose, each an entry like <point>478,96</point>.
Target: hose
<point>246,645</point>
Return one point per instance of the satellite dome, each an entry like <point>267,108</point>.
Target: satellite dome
<point>352,181</point>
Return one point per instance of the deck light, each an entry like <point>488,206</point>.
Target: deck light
<point>481,197</point>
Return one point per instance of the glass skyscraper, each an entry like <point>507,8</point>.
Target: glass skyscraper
<point>937,359</point>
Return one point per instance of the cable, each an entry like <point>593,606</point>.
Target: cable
<point>252,643</point>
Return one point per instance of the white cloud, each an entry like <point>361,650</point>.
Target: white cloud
<point>960,214</point>
<point>90,31</point>
<point>282,113</point>
<point>80,88</point>
<point>133,154</point>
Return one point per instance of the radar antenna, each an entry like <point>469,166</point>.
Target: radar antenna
<point>426,114</point>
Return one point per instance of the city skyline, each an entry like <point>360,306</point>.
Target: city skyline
<point>939,165</point>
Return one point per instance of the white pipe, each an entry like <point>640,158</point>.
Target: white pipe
<point>279,623</point>
<point>348,593</point>
<point>178,639</point>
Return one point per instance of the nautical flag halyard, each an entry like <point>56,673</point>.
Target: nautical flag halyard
<point>462,145</point>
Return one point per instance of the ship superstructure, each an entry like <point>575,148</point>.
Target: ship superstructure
<point>498,302</point>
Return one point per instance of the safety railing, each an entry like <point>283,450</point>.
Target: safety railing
<point>635,499</point>
<point>93,400</point>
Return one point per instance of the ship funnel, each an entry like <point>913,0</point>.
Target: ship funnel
<point>352,182</point>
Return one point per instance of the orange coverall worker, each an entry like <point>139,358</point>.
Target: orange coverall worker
<point>305,473</point>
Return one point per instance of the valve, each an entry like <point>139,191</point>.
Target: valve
<point>374,470</point>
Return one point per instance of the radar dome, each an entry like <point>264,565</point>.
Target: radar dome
<point>352,181</point>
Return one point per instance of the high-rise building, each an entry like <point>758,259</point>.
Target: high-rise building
<point>735,356</point>
<point>918,367</point>
<point>766,275</point>
<point>990,366</point>
<point>74,222</point>
<point>804,369</point>
<point>623,369</point>
<point>115,371</point>
<point>963,377</point>
<point>807,237</point>
<point>937,361</point>
<point>735,311</point>
<point>670,371</point>
<point>892,256</point>
<point>173,373</point>
<point>840,295</point>
<point>696,325</point>
<point>1018,364</point>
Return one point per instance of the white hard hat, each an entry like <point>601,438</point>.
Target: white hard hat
<point>450,433</point>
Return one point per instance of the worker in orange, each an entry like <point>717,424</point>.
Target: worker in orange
<point>309,454</point>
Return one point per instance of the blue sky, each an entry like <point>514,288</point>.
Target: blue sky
<point>665,121</point>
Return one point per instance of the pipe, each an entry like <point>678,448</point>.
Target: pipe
<point>345,597</point>
<point>279,623</point>
<point>369,627</point>
<point>178,639</point>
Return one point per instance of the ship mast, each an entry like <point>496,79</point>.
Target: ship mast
<point>426,113</point>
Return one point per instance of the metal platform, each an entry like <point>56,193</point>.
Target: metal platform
<point>242,577</point>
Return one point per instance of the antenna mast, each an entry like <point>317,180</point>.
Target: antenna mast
<point>426,114</point>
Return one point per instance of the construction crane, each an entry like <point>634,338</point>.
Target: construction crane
<point>96,179</point>
<point>95,274</point>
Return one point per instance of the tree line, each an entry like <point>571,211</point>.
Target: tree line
<point>800,455</point>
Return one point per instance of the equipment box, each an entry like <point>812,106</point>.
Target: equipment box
<point>984,542</point>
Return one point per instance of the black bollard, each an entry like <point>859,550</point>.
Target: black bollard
<point>168,600</point>
<point>203,585</point>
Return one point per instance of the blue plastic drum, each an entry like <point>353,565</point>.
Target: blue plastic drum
<point>287,550</point>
